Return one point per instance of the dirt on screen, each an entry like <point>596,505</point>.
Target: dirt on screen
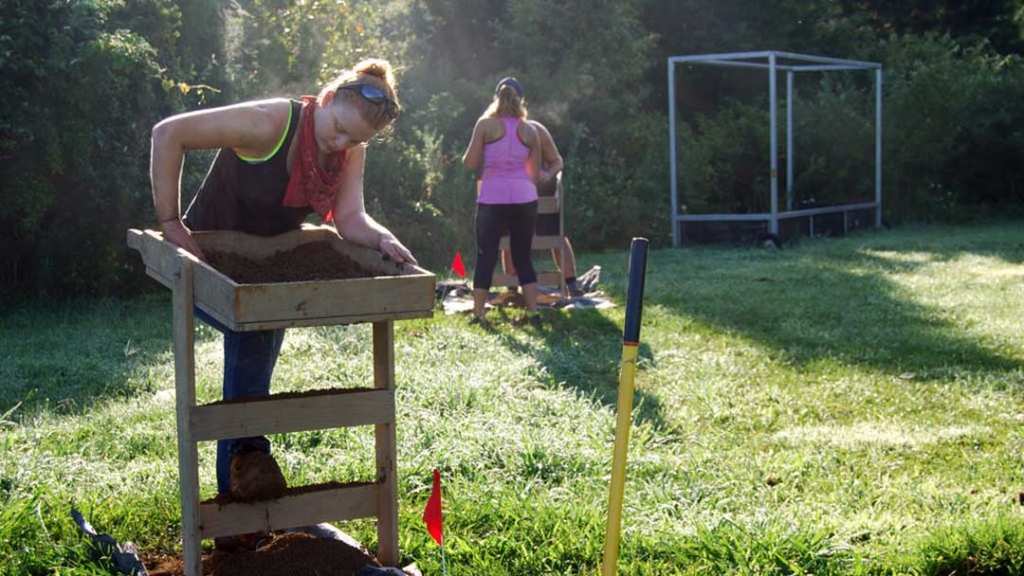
<point>285,555</point>
<point>312,261</point>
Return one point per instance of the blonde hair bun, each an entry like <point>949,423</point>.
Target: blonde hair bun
<point>376,67</point>
<point>375,72</point>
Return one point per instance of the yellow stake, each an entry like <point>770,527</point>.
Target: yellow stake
<point>630,347</point>
<point>611,540</point>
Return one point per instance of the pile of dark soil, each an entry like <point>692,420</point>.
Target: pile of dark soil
<point>312,261</point>
<point>285,555</point>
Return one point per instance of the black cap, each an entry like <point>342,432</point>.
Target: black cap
<point>512,82</point>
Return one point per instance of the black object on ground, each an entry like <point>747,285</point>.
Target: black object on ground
<point>125,556</point>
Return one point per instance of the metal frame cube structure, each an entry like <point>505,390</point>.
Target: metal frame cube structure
<point>773,62</point>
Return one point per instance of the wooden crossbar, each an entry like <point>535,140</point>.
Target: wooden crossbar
<point>279,414</point>
<point>310,505</point>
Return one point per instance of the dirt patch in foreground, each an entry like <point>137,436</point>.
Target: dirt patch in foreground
<point>285,555</point>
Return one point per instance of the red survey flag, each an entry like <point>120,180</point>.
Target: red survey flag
<point>432,515</point>
<point>457,265</point>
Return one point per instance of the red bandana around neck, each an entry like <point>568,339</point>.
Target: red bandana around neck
<point>310,185</point>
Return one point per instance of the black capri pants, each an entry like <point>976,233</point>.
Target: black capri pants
<point>492,220</point>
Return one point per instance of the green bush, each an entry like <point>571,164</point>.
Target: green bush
<point>81,94</point>
<point>616,186</point>
<point>76,94</point>
<point>953,136</point>
<point>834,143</point>
<point>418,191</point>
<point>723,162</point>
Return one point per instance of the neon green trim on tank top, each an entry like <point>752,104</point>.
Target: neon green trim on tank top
<point>279,143</point>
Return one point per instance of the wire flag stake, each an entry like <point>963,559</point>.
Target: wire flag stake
<point>434,518</point>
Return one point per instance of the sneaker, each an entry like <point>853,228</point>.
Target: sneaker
<point>480,321</point>
<point>574,290</point>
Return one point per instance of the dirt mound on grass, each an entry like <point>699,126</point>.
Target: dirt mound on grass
<point>285,555</point>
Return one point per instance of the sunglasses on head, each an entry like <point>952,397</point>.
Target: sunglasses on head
<point>375,95</point>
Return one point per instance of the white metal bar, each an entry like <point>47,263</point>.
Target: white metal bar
<point>824,68</point>
<point>826,59</point>
<point>724,218</point>
<point>787,67</point>
<point>823,62</point>
<point>674,189</point>
<point>826,210</point>
<point>789,140</point>
<point>773,224</point>
<point>720,56</point>
<point>760,217</point>
<point>878,147</point>
<point>730,63</point>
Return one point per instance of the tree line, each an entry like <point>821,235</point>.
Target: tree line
<point>84,81</point>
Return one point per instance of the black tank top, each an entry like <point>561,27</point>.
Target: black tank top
<point>246,196</point>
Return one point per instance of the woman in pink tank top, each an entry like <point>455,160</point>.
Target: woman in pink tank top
<point>508,148</point>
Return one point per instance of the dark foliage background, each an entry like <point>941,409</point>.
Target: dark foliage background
<point>83,81</point>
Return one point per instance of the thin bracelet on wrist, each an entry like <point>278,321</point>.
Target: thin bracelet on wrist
<point>169,219</point>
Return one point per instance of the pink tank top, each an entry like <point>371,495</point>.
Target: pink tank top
<point>505,179</point>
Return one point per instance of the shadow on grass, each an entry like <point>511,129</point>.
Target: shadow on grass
<point>67,356</point>
<point>835,300</point>
<point>582,350</point>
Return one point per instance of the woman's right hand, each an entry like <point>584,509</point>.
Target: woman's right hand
<point>174,231</point>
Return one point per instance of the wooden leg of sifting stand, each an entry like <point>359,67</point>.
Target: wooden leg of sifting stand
<point>185,394</point>
<point>387,469</point>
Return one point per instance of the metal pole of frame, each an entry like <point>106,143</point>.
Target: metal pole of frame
<point>789,140</point>
<point>676,236</point>
<point>773,224</point>
<point>878,147</point>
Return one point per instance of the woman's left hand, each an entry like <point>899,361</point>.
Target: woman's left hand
<point>396,250</point>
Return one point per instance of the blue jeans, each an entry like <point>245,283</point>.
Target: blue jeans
<point>249,359</point>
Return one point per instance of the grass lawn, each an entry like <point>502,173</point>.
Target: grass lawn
<point>843,406</point>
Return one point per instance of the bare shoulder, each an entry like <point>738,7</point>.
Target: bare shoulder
<point>490,128</point>
<point>253,110</point>
<point>541,129</point>
<point>528,133</point>
<point>267,118</point>
<point>488,123</point>
<point>248,127</point>
<point>543,134</point>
